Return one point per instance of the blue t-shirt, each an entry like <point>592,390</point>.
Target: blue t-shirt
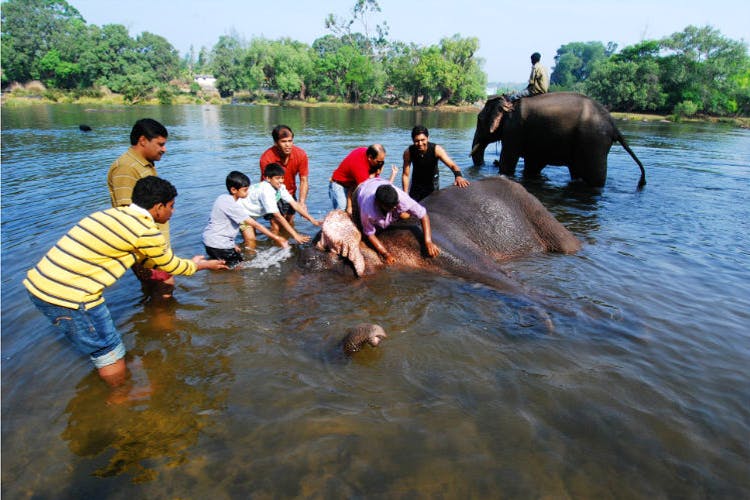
<point>223,225</point>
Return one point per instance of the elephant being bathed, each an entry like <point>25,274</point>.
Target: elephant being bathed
<point>477,229</point>
<point>561,128</point>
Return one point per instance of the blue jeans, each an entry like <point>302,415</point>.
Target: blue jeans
<point>92,331</point>
<point>337,194</point>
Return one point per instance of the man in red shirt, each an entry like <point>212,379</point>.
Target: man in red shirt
<point>352,171</point>
<point>294,161</point>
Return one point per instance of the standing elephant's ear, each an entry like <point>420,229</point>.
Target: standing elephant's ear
<point>495,119</point>
<point>502,106</point>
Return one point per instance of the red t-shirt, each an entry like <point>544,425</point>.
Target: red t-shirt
<point>296,165</point>
<point>354,170</point>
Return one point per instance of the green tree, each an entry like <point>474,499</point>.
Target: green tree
<point>292,68</point>
<point>54,72</point>
<point>461,73</point>
<point>227,57</point>
<point>626,85</point>
<point>704,67</point>
<point>158,55</point>
<point>399,65</point>
<point>30,30</point>
<point>629,80</point>
<point>575,61</point>
<point>107,56</point>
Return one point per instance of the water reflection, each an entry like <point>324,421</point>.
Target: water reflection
<point>178,382</point>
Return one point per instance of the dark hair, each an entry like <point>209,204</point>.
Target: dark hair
<point>272,170</point>
<point>374,150</point>
<point>149,128</point>
<point>152,190</point>
<point>535,57</point>
<point>281,132</point>
<point>237,180</point>
<point>419,129</point>
<point>387,196</point>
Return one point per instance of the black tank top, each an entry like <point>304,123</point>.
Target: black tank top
<point>424,166</point>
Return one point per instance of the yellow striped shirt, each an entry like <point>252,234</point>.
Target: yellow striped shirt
<point>98,251</point>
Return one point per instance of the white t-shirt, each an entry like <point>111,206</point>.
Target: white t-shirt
<point>262,199</point>
<point>224,223</point>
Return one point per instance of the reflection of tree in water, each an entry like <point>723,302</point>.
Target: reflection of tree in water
<point>188,382</point>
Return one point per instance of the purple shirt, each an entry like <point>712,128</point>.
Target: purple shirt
<point>371,216</point>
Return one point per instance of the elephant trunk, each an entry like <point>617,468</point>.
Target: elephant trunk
<point>477,149</point>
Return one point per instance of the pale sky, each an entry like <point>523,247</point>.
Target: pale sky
<point>508,32</point>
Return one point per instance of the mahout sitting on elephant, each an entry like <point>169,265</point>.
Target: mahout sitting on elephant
<point>561,128</point>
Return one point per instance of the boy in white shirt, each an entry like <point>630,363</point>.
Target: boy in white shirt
<point>226,217</point>
<point>262,200</point>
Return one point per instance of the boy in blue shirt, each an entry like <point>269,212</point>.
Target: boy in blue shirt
<point>262,200</point>
<point>226,216</point>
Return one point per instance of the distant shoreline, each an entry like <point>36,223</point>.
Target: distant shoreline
<point>114,100</point>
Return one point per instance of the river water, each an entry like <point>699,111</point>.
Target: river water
<point>640,391</point>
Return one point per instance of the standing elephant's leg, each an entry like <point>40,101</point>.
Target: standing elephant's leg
<point>508,163</point>
<point>590,161</point>
<point>532,167</point>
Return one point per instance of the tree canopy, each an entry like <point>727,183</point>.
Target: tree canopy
<point>694,71</point>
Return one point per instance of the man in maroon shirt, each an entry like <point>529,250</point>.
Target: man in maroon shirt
<point>294,161</point>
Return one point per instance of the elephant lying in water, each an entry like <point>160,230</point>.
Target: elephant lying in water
<point>477,228</point>
<point>561,128</point>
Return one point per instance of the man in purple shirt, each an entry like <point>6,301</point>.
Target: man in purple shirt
<point>379,203</point>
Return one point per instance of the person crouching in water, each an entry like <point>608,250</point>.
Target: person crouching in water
<point>378,205</point>
<point>266,199</point>
<point>227,216</point>
<point>67,284</point>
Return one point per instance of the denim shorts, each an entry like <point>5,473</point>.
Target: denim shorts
<point>92,331</point>
<point>337,193</point>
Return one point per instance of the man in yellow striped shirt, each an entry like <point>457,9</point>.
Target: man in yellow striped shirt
<point>67,284</point>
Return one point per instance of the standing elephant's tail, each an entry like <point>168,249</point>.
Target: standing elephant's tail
<point>619,138</point>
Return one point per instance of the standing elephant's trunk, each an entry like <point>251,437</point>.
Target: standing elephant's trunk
<point>488,127</point>
<point>477,150</point>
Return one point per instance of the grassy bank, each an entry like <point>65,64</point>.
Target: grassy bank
<point>18,99</point>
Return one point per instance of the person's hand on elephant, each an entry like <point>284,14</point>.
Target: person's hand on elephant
<point>432,249</point>
<point>461,182</point>
<point>388,258</point>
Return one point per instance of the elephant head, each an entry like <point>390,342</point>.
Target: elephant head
<point>489,126</point>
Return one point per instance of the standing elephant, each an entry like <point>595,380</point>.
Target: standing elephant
<point>561,128</point>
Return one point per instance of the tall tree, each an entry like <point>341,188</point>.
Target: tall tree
<point>374,38</point>
<point>31,29</point>
<point>460,68</point>
<point>158,55</point>
<point>227,57</point>
<point>575,61</point>
<point>701,66</point>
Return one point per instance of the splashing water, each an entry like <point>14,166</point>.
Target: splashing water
<point>267,258</point>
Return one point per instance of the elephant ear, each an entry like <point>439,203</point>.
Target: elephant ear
<point>501,108</point>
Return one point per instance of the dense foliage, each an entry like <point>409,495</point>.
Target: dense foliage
<point>48,40</point>
<point>694,71</point>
